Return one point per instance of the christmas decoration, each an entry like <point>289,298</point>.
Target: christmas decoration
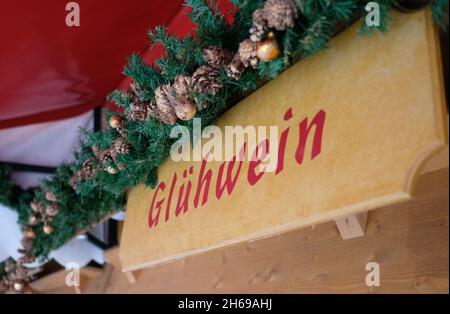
<point>236,67</point>
<point>166,112</point>
<point>280,14</point>
<point>27,244</point>
<point>216,57</point>
<point>247,53</point>
<point>51,197</point>
<point>86,172</point>
<point>26,258</point>
<point>180,86</point>
<point>112,170</point>
<point>267,50</point>
<point>118,123</point>
<point>33,220</point>
<point>205,80</point>
<point>140,111</point>
<point>15,276</point>
<point>19,285</point>
<point>185,108</point>
<point>259,26</point>
<point>115,121</point>
<point>52,209</point>
<point>29,233</point>
<point>105,159</point>
<point>48,229</point>
<point>120,146</point>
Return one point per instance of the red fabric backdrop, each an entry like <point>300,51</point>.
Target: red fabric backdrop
<point>50,71</point>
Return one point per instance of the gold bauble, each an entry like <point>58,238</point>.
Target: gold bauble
<point>112,170</point>
<point>29,233</point>
<point>48,229</point>
<point>114,121</point>
<point>19,286</point>
<point>33,220</point>
<point>267,49</point>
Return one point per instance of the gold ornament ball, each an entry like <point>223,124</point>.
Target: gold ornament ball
<point>48,229</point>
<point>267,50</point>
<point>19,286</point>
<point>33,220</point>
<point>112,170</point>
<point>29,234</point>
<point>114,121</point>
<point>186,112</point>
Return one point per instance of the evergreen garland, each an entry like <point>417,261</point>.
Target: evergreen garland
<point>149,141</point>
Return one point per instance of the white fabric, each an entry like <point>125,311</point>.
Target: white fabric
<point>44,144</point>
<point>120,216</point>
<point>78,250</point>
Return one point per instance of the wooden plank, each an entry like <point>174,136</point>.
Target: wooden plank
<point>382,115</point>
<point>410,241</point>
<point>131,277</point>
<point>104,280</point>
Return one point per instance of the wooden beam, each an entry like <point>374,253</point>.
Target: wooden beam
<point>105,278</point>
<point>131,276</point>
<point>352,226</point>
<point>77,289</point>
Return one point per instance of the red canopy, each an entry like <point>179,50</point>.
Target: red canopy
<point>51,71</point>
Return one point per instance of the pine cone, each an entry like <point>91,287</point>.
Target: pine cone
<point>138,111</point>
<point>247,53</point>
<point>21,273</point>
<point>204,80</point>
<point>36,206</point>
<point>236,67</point>
<point>74,180</point>
<point>88,169</point>
<point>97,151</point>
<point>280,14</point>
<point>9,265</point>
<point>52,210</point>
<point>182,85</point>
<point>106,158</point>
<point>259,26</point>
<point>27,244</point>
<point>216,57</point>
<point>138,91</point>
<point>121,146</point>
<point>27,258</point>
<point>166,112</point>
<point>184,107</point>
<point>50,196</point>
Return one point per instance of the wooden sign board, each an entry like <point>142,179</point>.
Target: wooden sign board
<point>356,122</point>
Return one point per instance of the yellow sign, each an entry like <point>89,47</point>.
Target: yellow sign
<point>355,123</point>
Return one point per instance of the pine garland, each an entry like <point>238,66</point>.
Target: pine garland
<point>102,193</point>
